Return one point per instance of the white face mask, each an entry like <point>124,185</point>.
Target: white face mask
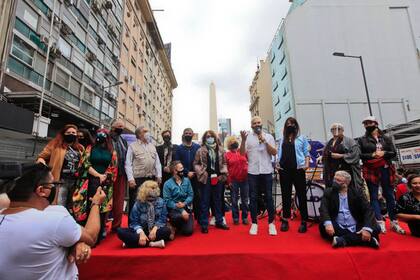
<point>148,137</point>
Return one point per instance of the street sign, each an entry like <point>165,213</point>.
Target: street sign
<point>410,155</point>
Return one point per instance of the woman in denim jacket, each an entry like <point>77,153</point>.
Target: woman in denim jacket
<point>148,220</point>
<point>293,156</point>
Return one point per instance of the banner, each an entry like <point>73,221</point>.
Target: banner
<point>410,155</point>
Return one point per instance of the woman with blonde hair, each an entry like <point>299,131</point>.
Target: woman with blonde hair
<point>147,220</point>
<point>62,154</point>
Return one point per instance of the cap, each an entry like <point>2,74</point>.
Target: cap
<point>370,119</point>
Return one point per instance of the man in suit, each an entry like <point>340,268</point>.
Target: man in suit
<point>166,153</point>
<point>346,216</point>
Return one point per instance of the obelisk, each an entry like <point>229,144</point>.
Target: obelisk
<point>213,108</point>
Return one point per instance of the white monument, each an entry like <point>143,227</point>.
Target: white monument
<point>213,108</point>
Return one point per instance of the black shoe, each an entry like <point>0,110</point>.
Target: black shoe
<point>303,228</point>
<point>204,230</point>
<point>245,222</point>
<point>284,225</point>
<point>236,222</point>
<point>222,226</point>
<point>374,243</point>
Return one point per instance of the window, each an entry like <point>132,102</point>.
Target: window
<point>89,70</point>
<point>277,102</point>
<point>273,56</point>
<point>281,43</point>
<point>283,58</point>
<point>286,90</point>
<point>123,71</point>
<point>288,108</point>
<point>64,47</point>
<point>88,96</point>
<point>276,86</point>
<point>62,78</point>
<point>75,87</point>
<point>284,75</point>
<point>22,51</point>
<point>28,15</point>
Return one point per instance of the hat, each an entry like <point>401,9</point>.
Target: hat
<point>370,119</point>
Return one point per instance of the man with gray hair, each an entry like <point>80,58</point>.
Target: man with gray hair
<point>142,164</point>
<point>346,216</point>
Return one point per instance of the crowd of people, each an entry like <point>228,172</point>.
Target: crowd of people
<point>79,182</point>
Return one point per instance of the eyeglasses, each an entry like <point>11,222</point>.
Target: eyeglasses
<point>51,185</point>
<point>334,129</point>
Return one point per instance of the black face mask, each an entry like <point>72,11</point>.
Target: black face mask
<point>234,146</point>
<point>167,139</point>
<point>83,142</point>
<point>370,129</point>
<point>290,129</point>
<point>257,129</point>
<point>100,140</point>
<point>69,138</point>
<point>188,138</point>
<point>118,131</point>
<point>180,174</point>
<point>51,197</point>
<point>336,186</point>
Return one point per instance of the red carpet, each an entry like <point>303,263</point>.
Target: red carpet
<point>235,254</point>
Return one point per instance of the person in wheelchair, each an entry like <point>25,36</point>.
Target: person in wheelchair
<point>341,153</point>
<point>346,216</point>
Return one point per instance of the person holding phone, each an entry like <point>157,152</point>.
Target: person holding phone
<point>211,169</point>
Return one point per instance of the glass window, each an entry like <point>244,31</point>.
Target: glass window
<point>97,101</point>
<point>111,111</point>
<point>64,47</point>
<point>62,78</point>
<point>75,87</point>
<point>28,15</point>
<point>105,107</point>
<point>22,51</point>
<point>88,96</point>
<point>89,70</point>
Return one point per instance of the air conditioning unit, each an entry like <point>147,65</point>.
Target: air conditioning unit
<point>126,78</point>
<point>100,41</point>
<point>128,14</point>
<point>96,6</point>
<point>127,34</point>
<point>134,88</point>
<point>108,4</point>
<point>111,30</point>
<point>123,100</point>
<point>65,29</point>
<point>69,2</point>
<point>115,58</point>
<point>91,56</point>
<point>56,20</point>
<point>55,51</point>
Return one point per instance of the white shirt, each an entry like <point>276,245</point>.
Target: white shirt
<point>129,163</point>
<point>34,244</point>
<point>259,160</point>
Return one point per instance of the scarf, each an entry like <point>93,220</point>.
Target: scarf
<point>151,215</point>
<point>212,154</point>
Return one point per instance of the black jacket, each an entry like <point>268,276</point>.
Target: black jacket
<point>161,151</point>
<point>368,146</point>
<point>358,205</point>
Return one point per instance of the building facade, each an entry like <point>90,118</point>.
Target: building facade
<point>322,88</point>
<point>261,95</point>
<point>148,79</point>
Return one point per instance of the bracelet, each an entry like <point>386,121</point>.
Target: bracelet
<point>93,204</point>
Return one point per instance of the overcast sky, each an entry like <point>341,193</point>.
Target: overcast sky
<point>220,41</point>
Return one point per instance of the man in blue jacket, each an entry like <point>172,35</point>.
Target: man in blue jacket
<point>185,153</point>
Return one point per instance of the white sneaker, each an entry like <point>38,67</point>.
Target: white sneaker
<point>212,221</point>
<point>382,226</point>
<point>272,229</point>
<point>157,244</point>
<point>254,229</point>
<point>396,227</point>
<point>224,220</point>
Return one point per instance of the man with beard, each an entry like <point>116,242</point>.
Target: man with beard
<point>166,153</point>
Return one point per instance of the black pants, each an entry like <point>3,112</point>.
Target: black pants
<point>93,185</point>
<point>132,193</point>
<point>131,238</point>
<point>414,227</point>
<point>196,199</point>
<point>288,178</point>
<point>351,238</point>
<point>182,226</point>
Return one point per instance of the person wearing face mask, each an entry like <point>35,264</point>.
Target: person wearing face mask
<point>408,206</point>
<point>98,167</point>
<point>63,154</point>
<point>210,167</point>
<point>377,152</point>
<point>346,216</point>
<point>185,153</point>
<point>237,165</point>
<point>84,137</point>
<point>259,147</point>
<point>39,240</point>
<point>294,159</point>
<point>142,164</point>
<point>341,153</point>
<point>178,195</point>
<point>166,153</point>
<point>120,146</point>
<point>147,227</point>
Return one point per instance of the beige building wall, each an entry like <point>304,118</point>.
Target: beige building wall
<point>145,98</point>
<point>261,96</point>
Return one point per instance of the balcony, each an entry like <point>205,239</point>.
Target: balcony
<point>30,34</point>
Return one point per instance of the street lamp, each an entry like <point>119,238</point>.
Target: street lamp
<point>102,97</point>
<point>363,72</point>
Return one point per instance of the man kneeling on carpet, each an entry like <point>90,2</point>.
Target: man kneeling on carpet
<point>178,195</point>
<point>346,216</point>
<point>147,220</point>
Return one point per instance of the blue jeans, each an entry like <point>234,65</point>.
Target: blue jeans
<point>243,189</point>
<point>267,181</point>
<point>208,191</point>
<point>388,193</point>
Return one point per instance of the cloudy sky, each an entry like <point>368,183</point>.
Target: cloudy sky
<point>220,41</point>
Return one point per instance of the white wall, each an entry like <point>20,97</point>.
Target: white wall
<point>386,38</point>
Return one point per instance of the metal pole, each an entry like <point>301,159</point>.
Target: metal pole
<point>366,87</point>
<point>44,79</point>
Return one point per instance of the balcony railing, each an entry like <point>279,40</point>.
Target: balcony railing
<point>30,34</point>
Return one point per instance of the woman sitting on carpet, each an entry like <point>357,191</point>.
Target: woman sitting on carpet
<point>408,206</point>
<point>148,220</point>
